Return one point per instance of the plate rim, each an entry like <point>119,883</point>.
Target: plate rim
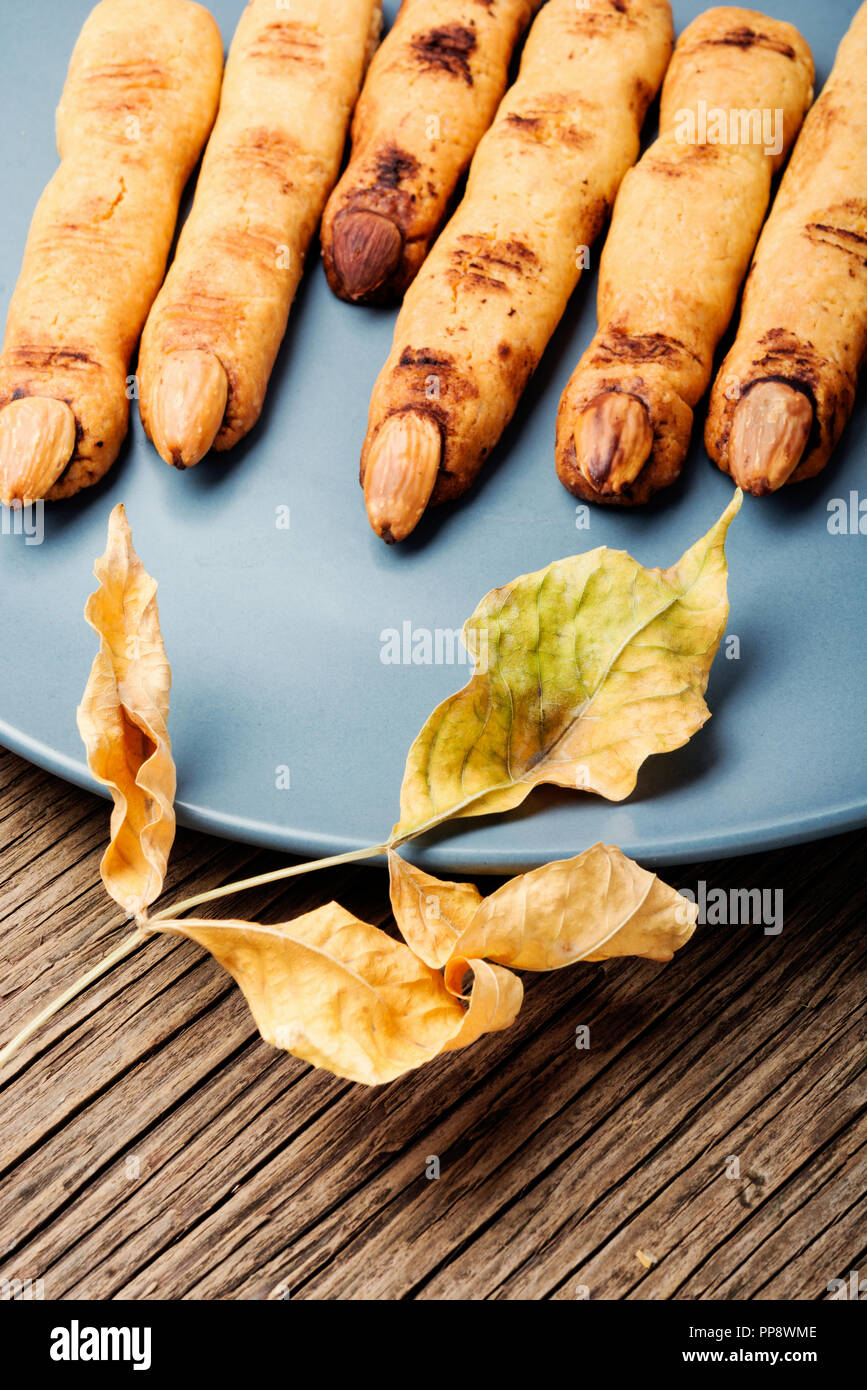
<point>769,835</point>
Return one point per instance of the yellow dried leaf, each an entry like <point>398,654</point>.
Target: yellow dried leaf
<point>430,913</point>
<point>341,994</point>
<point>583,670</point>
<point>494,1002</point>
<point>596,906</point>
<point>122,720</point>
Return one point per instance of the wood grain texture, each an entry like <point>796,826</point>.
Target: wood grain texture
<point>153,1147</point>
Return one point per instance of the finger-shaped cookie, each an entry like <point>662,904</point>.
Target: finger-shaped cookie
<point>787,387</point>
<point>430,95</point>
<point>683,229</point>
<point>213,334</point>
<point>139,100</point>
<point>479,315</point>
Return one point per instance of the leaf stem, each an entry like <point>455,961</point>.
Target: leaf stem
<point>170,913</point>
<point>127,946</point>
<point>136,938</point>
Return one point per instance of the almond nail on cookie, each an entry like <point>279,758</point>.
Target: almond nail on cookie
<point>481,311</point>
<point>684,226</point>
<point>139,100</point>
<point>787,387</point>
<point>213,334</point>
<point>430,95</point>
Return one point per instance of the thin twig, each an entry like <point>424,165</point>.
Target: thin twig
<point>169,913</point>
<point>127,946</point>
<point>136,938</point>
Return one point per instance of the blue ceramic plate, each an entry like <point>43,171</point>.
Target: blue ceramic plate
<point>276,635</point>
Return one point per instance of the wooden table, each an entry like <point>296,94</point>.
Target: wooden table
<point>709,1144</point>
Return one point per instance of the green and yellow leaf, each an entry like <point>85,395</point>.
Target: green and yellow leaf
<point>583,670</point>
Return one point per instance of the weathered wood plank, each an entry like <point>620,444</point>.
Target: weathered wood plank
<point>512,1152</point>
<point>526,1076</point>
<point>791,1232</point>
<point>154,1147</point>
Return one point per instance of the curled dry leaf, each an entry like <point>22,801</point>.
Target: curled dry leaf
<point>122,720</point>
<point>431,914</point>
<point>599,905</point>
<point>583,670</point>
<point>494,1001</point>
<point>343,995</point>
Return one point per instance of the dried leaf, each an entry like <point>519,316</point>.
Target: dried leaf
<point>596,906</point>
<point>122,720</point>
<point>341,994</point>
<point>430,913</point>
<point>583,670</point>
<point>494,1002</point>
